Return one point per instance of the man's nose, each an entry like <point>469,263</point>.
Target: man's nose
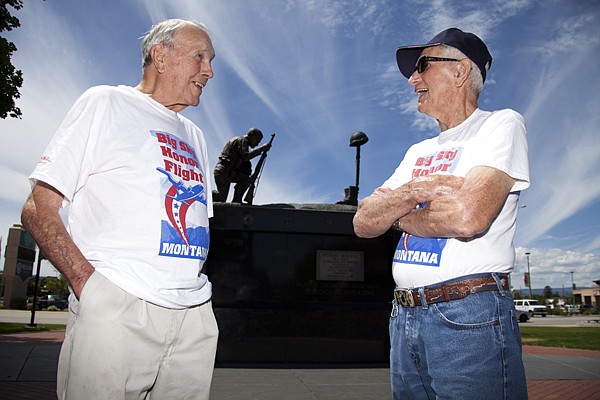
<point>414,78</point>
<point>208,71</point>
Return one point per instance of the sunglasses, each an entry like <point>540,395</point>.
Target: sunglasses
<point>423,62</point>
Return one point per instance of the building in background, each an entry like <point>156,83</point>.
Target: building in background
<point>588,296</point>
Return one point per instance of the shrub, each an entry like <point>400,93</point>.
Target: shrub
<point>19,303</point>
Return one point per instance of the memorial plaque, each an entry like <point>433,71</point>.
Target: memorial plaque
<point>340,265</point>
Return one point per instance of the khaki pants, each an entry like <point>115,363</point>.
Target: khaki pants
<point>120,347</point>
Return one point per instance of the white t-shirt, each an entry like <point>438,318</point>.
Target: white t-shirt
<point>135,175</point>
<point>494,139</point>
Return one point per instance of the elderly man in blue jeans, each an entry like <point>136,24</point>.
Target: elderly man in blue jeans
<point>453,329</point>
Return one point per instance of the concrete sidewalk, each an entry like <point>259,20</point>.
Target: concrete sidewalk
<point>28,372</point>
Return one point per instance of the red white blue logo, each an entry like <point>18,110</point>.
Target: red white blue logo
<point>185,231</point>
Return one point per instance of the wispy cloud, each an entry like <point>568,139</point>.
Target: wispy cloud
<point>553,267</point>
<point>570,35</point>
<point>592,244</point>
<point>53,78</point>
<point>481,18</point>
<point>566,157</point>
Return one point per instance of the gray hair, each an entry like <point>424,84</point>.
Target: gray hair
<point>164,33</point>
<point>475,78</point>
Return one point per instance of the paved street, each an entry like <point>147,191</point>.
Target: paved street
<point>60,317</point>
<point>41,317</point>
<point>564,321</point>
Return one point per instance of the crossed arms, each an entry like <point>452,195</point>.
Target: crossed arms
<point>456,207</point>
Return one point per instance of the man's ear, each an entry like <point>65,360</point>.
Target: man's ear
<point>462,72</point>
<point>158,53</point>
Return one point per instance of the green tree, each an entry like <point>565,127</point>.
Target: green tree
<point>58,286</point>
<point>547,292</point>
<point>49,285</point>
<point>11,78</point>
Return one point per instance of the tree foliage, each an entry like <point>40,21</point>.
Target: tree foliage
<point>49,285</point>
<point>11,78</point>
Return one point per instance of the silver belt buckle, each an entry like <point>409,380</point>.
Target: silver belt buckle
<point>404,297</point>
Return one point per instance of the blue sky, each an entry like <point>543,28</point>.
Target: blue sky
<point>314,72</point>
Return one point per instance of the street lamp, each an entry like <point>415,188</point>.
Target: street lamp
<point>528,275</point>
<point>572,290</point>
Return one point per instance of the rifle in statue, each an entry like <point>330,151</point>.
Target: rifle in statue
<point>255,177</point>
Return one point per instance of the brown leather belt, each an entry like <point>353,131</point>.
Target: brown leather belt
<point>449,291</point>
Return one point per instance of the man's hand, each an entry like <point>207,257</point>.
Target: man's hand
<point>464,213</point>
<point>427,188</point>
<point>265,147</point>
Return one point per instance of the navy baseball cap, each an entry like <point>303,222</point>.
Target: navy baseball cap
<point>469,44</point>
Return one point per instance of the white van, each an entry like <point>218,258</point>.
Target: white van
<point>531,305</point>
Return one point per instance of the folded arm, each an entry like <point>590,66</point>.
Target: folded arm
<point>376,213</point>
<point>40,217</point>
<point>466,213</point>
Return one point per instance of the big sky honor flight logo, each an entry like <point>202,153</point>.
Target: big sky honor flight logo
<point>183,185</point>
<point>427,251</point>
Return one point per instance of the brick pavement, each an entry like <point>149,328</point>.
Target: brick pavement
<point>15,388</point>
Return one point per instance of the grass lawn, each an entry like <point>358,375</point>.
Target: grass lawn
<point>10,327</point>
<point>572,338</point>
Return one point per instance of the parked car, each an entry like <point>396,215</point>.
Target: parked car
<point>52,300</point>
<point>531,305</point>
<point>524,316</point>
<point>584,308</point>
<point>570,309</point>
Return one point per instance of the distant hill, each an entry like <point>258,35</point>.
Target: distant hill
<point>539,292</point>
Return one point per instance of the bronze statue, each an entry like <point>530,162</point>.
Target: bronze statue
<point>234,166</point>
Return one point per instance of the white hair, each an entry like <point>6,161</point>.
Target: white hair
<point>475,78</point>
<point>164,33</point>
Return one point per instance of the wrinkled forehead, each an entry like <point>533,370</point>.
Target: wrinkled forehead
<point>192,37</point>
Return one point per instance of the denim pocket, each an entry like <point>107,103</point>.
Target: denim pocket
<point>477,310</point>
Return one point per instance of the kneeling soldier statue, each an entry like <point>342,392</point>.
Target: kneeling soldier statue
<point>234,165</point>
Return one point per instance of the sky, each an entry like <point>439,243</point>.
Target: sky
<point>314,72</point>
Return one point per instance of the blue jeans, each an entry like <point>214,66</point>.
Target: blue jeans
<point>462,349</point>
